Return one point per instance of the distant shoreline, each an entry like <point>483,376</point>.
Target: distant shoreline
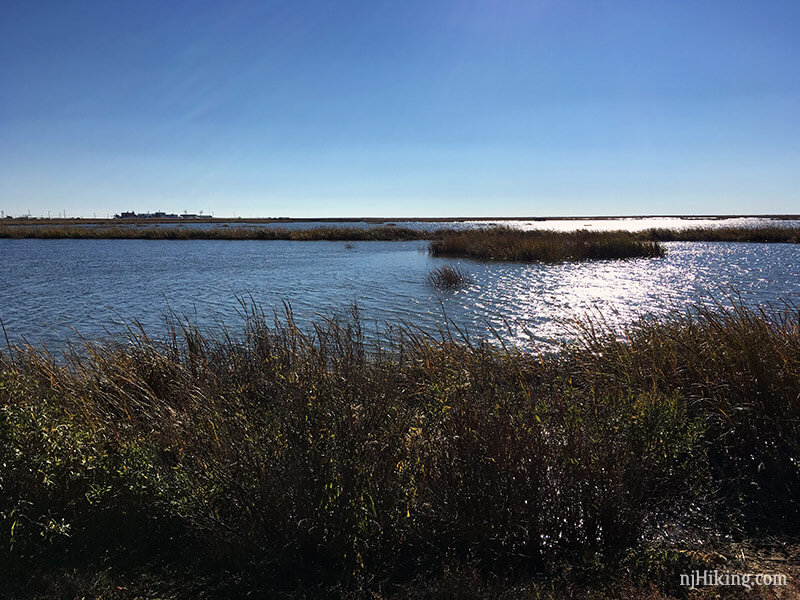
<point>256,220</point>
<point>493,242</point>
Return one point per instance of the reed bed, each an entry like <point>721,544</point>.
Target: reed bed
<point>449,277</point>
<point>332,233</point>
<point>273,458</point>
<point>789,235</point>
<point>507,244</point>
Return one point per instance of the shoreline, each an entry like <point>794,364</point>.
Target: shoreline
<point>20,221</point>
<point>472,242</point>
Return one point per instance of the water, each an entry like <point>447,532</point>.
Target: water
<point>51,288</point>
<point>628,224</point>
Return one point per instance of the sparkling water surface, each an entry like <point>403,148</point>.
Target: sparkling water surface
<point>52,289</point>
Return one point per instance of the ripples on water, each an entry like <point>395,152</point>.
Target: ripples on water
<point>48,288</point>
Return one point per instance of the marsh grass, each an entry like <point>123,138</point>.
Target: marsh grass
<point>449,277</point>
<point>326,233</point>
<point>506,244</point>
<point>790,235</point>
<point>289,458</point>
<point>504,236</point>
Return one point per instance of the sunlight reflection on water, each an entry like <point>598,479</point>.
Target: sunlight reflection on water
<point>49,287</point>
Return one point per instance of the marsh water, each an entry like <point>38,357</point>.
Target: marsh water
<point>52,289</point>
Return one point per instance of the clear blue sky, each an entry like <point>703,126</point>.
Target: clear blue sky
<point>402,108</point>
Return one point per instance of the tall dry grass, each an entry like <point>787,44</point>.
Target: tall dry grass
<point>788,235</point>
<point>313,458</point>
<point>449,277</point>
<point>223,232</point>
<point>504,243</point>
<point>480,241</point>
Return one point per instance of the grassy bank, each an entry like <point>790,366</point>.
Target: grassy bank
<point>270,459</point>
<point>790,235</point>
<point>508,244</point>
<point>337,233</point>
<point>502,243</point>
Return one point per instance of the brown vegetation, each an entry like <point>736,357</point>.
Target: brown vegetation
<point>277,459</point>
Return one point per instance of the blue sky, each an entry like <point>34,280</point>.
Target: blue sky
<point>412,108</point>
